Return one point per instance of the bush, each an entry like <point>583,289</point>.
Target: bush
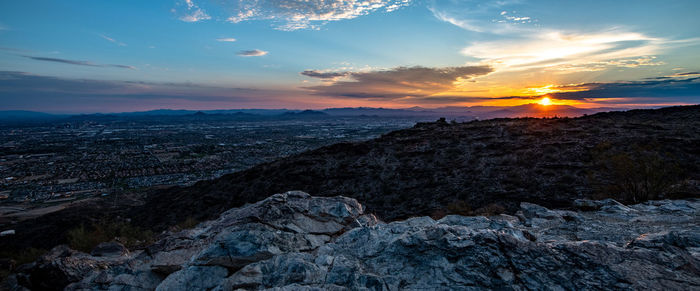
<point>188,223</point>
<point>490,210</point>
<point>22,256</point>
<point>633,176</point>
<point>85,239</point>
<point>17,258</point>
<point>438,214</point>
<point>459,207</point>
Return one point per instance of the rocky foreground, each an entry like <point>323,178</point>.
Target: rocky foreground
<point>294,241</point>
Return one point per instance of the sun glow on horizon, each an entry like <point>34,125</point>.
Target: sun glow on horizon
<point>545,101</point>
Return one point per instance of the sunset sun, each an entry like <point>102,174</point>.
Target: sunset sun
<point>545,101</point>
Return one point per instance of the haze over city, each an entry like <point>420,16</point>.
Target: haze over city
<point>119,56</point>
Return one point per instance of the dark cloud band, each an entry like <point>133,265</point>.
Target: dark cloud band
<point>659,88</point>
<point>324,75</point>
<point>396,83</point>
<point>78,63</point>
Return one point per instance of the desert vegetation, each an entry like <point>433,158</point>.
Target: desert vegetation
<point>636,173</point>
<point>85,238</point>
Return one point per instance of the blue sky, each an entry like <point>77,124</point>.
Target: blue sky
<point>111,56</point>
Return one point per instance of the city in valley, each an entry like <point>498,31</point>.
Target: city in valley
<point>69,159</point>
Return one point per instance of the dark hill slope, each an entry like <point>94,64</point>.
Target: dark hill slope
<point>426,168</point>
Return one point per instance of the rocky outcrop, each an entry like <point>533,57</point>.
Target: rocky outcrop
<point>293,241</point>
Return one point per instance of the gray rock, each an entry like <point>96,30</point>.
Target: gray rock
<point>108,249</point>
<point>293,241</point>
<point>299,269</point>
<point>167,262</point>
<point>194,278</point>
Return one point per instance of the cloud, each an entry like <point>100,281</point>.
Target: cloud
<point>687,89</point>
<point>226,39</point>
<point>659,91</point>
<point>302,14</point>
<point>421,85</point>
<point>396,83</point>
<point>79,63</point>
<point>252,53</point>
<point>466,24</point>
<point>11,49</point>
<point>192,13</point>
<point>112,40</point>
<point>515,41</point>
<point>564,51</point>
<point>22,82</point>
<point>324,75</point>
<point>29,90</point>
<point>26,91</point>
<point>514,19</point>
<point>482,16</point>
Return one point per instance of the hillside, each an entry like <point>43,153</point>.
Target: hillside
<point>471,168</point>
<point>475,168</point>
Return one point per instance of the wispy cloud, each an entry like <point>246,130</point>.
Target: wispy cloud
<point>396,83</point>
<point>569,51</point>
<point>467,24</point>
<point>517,42</point>
<point>294,15</point>
<point>192,12</point>
<point>226,39</point>
<point>79,63</point>
<point>112,40</point>
<point>482,16</point>
<point>11,49</point>
<point>252,53</point>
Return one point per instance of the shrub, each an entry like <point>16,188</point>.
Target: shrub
<point>85,239</point>
<point>22,256</point>
<point>633,176</point>
<point>438,213</point>
<point>490,210</point>
<point>17,258</point>
<point>459,207</point>
<point>188,223</point>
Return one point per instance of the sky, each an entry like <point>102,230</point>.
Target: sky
<point>84,56</point>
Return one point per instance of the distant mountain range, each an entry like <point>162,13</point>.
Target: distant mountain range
<point>23,114</point>
<point>452,112</point>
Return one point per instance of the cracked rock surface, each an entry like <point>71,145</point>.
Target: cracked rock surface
<point>293,241</point>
